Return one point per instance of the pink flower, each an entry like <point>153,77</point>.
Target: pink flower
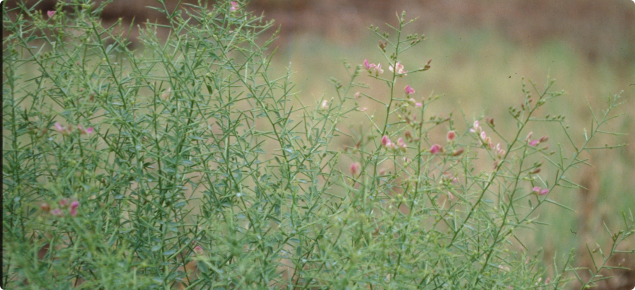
<point>357,95</point>
<point>476,128</point>
<point>355,168</point>
<point>500,152</point>
<point>81,129</point>
<point>234,6</point>
<point>534,143</point>
<point>378,69</point>
<point>63,202</point>
<point>451,135</point>
<point>435,149</point>
<point>198,250</point>
<point>50,13</point>
<point>59,127</point>
<point>74,206</point>
<point>540,191</point>
<point>386,141</point>
<point>57,212</point>
<point>401,144</point>
<point>419,105</point>
<point>409,90</point>
<point>373,68</point>
<point>399,69</point>
<point>325,105</point>
<point>368,65</point>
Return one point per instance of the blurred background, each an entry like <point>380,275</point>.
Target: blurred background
<point>480,51</point>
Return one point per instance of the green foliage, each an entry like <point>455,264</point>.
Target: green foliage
<point>186,164</point>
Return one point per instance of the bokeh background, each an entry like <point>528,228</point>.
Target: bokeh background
<point>481,50</point>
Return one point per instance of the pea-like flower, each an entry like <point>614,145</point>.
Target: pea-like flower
<point>409,90</point>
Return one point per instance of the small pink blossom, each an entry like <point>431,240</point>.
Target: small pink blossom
<point>401,144</point>
<point>534,143</point>
<point>57,212</point>
<point>357,95</point>
<point>59,127</point>
<point>476,128</point>
<point>386,141</point>
<point>355,168</point>
<point>378,69</point>
<point>529,136</point>
<point>81,129</point>
<point>325,105</point>
<point>234,6</point>
<point>362,109</point>
<point>540,191</point>
<point>50,13</point>
<point>409,90</point>
<point>451,135</point>
<point>500,152</point>
<point>368,65</point>
<point>435,149</point>
<point>419,105</point>
<point>198,250</point>
<point>399,69</point>
<point>63,202</point>
<point>74,206</point>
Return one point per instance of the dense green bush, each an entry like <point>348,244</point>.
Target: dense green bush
<point>187,164</point>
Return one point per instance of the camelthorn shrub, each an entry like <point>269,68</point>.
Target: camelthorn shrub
<point>188,163</point>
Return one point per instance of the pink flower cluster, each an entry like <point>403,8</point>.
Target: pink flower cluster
<point>373,68</point>
<point>535,143</point>
<point>398,69</point>
<point>63,204</point>
<point>485,140</point>
<point>386,142</point>
<point>234,5</point>
<point>66,131</point>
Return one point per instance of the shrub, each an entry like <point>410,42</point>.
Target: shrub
<point>187,164</point>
